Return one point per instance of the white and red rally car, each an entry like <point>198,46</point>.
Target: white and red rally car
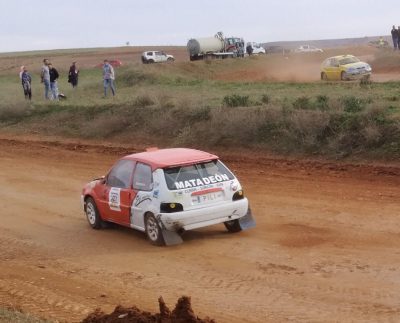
<point>165,192</point>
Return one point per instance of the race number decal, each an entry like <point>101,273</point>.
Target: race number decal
<point>114,199</point>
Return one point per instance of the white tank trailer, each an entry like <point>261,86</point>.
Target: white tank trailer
<point>214,47</point>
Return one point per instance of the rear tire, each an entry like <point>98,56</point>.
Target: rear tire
<point>92,214</point>
<point>150,61</point>
<point>324,77</point>
<point>233,226</point>
<point>153,231</point>
<point>170,60</point>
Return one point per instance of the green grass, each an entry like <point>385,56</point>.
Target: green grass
<point>182,104</point>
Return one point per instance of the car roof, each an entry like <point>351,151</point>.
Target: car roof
<point>341,56</point>
<point>162,158</point>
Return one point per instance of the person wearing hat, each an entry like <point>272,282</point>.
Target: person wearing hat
<point>73,75</point>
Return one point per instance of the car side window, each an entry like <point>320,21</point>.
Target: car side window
<point>121,174</point>
<point>150,53</point>
<point>143,178</point>
<point>334,63</point>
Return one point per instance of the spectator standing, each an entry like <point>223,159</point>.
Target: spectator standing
<point>249,49</point>
<point>45,78</point>
<point>53,82</point>
<point>73,75</point>
<point>26,83</point>
<point>395,37</point>
<point>108,77</point>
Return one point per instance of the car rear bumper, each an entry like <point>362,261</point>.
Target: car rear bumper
<point>203,217</point>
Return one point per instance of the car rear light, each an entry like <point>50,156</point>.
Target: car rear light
<point>171,207</point>
<point>238,195</point>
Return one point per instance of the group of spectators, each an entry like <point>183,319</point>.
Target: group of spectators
<point>49,76</point>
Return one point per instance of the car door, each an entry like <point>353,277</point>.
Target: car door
<point>143,187</point>
<point>331,69</point>
<point>158,57</point>
<point>115,196</point>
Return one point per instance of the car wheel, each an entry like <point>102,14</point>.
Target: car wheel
<point>324,77</point>
<point>150,61</point>
<point>153,231</point>
<point>170,60</point>
<point>92,214</point>
<point>343,76</point>
<point>233,226</point>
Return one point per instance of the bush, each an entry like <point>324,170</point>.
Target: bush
<point>265,99</point>
<point>352,104</point>
<point>143,101</point>
<point>302,103</point>
<point>135,77</point>
<point>236,100</point>
<point>13,113</point>
<point>322,102</point>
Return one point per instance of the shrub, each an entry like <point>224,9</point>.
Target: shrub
<point>236,100</point>
<point>265,99</point>
<point>143,101</point>
<point>322,102</point>
<point>13,113</point>
<point>135,77</point>
<point>352,104</point>
<point>302,102</point>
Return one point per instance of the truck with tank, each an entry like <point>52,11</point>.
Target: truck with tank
<point>215,47</point>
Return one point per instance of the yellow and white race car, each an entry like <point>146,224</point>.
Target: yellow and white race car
<point>345,68</point>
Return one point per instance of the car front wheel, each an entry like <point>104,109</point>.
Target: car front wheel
<point>92,214</point>
<point>153,231</point>
<point>233,226</point>
<point>343,76</point>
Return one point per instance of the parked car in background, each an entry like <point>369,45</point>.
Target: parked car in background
<point>345,67</point>
<point>257,48</point>
<point>308,49</point>
<point>113,63</point>
<point>164,192</point>
<point>153,56</point>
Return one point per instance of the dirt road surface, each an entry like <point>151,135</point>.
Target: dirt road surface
<point>325,249</point>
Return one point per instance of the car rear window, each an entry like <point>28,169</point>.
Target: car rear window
<point>348,60</point>
<point>200,174</point>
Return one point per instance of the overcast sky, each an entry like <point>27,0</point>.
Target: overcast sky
<point>50,24</point>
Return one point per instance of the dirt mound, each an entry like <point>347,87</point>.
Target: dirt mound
<point>183,313</point>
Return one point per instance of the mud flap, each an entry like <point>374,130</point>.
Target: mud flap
<point>247,221</point>
<point>171,237</point>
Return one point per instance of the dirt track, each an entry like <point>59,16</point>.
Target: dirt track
<point>325,248</point>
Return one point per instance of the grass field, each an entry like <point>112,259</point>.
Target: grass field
<point>214,104</point>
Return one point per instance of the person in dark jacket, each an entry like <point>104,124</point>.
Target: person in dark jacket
<point>249,49</point>
<point>395,37</point>
<point>26,81</point>
<point>53,82</point>
<point>73,75</point>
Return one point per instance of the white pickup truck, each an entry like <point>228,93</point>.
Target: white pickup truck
<point>150,57</point>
